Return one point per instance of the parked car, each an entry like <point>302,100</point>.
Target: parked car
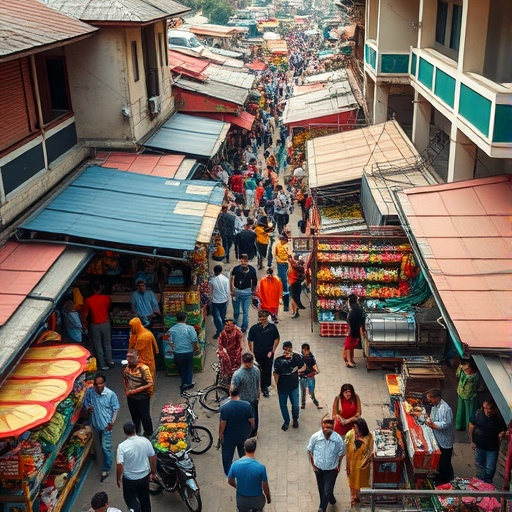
<point>181,39</point>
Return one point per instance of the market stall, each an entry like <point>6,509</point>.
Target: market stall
<point>43,445</point>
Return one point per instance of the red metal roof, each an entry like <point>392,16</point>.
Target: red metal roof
<point>22,266</point>
<point>164,166</point>
<point>187,65</point>
<point>244,119</point>
<point>464,233</point>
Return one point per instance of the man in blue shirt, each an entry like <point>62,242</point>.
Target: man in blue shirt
<point>249,478</point>
<point>102,405</point>
<point>441,423</point>
<point>144,303</point>
<point>183,338</point>
<point>235,426</point>
<point>326,451</point>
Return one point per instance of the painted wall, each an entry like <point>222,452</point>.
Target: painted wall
<point>102,84</point>
<point>498,51</point>
<point>398,25</point>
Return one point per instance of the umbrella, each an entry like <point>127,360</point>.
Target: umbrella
<point>257,65</point>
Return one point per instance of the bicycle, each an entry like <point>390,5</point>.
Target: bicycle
<point>213,396</point>
<point>200,439</point>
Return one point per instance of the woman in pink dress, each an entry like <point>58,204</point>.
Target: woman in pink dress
<point>345,409</point>
<point>230,349</point>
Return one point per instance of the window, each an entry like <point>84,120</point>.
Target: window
<point>448,27</point>
<point>53,87</point>
<point>135,62</point>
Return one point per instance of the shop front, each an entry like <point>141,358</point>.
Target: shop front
<point>142,228</point>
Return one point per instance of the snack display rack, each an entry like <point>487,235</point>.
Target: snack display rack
<point>377,266</point>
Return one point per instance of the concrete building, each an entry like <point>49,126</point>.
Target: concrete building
<point>442,66</point>
<point>74,76</point>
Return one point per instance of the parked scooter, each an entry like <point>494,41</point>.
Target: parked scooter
<point>177,472</point>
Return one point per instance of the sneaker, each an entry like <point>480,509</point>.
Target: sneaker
<point>112,364</point>
<point>215,336</point>
<point>295,424</point>
<point>188,386</point>
<point>303,406</point>
<point>266,393</point>
<point>105,368</point>
<point>285,426</point>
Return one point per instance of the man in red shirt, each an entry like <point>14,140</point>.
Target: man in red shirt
<point>95,319</point>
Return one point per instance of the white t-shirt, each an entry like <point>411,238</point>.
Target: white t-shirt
<point>220,289</point>
<point>133,454</point>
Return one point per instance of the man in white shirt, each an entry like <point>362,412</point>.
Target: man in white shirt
<point>136,462</point>
<point>326,451</point>
<point>220,294</point>
<point>99,503</point>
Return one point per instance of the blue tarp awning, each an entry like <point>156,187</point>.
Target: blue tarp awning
<point>190,135</point>
<point>128,211</point>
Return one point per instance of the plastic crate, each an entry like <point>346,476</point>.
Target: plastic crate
<point>333,329</point>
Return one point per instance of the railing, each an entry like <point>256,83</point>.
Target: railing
<point>423,493</point>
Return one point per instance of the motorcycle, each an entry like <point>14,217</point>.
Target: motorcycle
<point>177,472</point>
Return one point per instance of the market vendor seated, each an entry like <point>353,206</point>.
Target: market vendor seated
<point>144,303</point>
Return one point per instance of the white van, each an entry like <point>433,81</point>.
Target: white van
<point>181,39</point>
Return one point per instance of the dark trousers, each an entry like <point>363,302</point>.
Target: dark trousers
<point>228,450</point>
<point>445,468</point>
<point>139,412</point>
<point>185,364</point>
<point>262,252</point>
<point>254,405</point>
<point>136,494</point>
<point>227,242</point>
<point>325,479</point>
<point>281,219</point>
<point>265,368</point>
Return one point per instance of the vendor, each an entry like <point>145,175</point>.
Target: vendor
<point>144,302</point>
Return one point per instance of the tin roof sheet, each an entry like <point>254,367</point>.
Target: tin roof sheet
<point>116,207</point>
<point>213,89</point>
<point>132,11</point>
<point>332,99</point>
<point>343,156</point>
<point>464,234</point>
<point>29,25</point>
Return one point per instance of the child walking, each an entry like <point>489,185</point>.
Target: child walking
<point>307,377</point>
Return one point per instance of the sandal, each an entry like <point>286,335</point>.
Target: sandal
<point>351,365</point>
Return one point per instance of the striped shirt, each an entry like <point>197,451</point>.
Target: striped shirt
<point>442,416</point>
<point>326,452</point>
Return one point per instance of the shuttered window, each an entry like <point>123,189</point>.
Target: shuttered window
<point>17,105</point>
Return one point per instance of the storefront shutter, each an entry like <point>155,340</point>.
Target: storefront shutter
<point>17,105</point>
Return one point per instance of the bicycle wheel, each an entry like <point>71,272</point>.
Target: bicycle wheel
<point>213,398</point>
<point>200,439</point>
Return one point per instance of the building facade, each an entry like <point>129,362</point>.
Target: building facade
<point>441,65</point>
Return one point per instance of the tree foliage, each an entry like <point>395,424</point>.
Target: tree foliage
<point>217,11</point>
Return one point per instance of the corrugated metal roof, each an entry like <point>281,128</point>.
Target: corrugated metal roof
<point>213,89</point>
<point>130,209</point>
<point>21,268</point>
<point>244,119</point>
<point>28,25</point>
<point>208,29</point>
<point>334,98</point>
<point>165,166</point>
<point>134,11</point>
<point>190,135</point>
<point>343,156</point>
<point>328,76</point>
<point>187,65</point>
<point>237,78</point>
<point>19,329</point>
<point>464,234</point>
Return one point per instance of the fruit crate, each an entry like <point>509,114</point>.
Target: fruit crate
<point>333,329</point>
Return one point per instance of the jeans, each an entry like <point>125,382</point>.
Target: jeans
<point>136,494</point>
<point>219,315</point>
<point>105,439</point>
<point>227,242</point>
<point>185,364</point>
<point>139,412</point>
<point>485,461</point>
<point>228,450</point>
<point>242,299</point>
<point>282,273</point>
<point>325,479</point>
<point>249,198</point>
<point>281,219</point>
<point>262,252</point>
<point>254,405</point>
<point>293,395</point>
<point>100,337</point>
<point>309,384</point>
